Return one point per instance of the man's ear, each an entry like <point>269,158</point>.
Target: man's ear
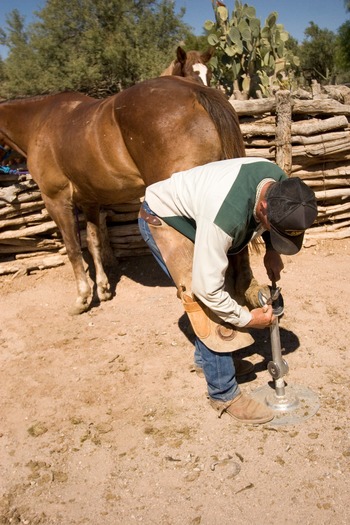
<point>263,207</point>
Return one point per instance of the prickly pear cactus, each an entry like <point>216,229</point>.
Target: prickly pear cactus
<point>250,60</point>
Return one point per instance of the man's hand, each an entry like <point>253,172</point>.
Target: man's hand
<point>273,264</point>
<point>261,317</point>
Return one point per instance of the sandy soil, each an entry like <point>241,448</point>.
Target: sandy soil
<point>103,421</point>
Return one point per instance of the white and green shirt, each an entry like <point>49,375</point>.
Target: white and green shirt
<point>213,205</point>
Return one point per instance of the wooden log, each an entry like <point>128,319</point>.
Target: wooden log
<point>342,234</point>
<point>320,107</point>
<point>13,177</point>
<point>30,264</point>
<point>283,131</point>
<point>330,210</point>
<point>306,107</point>
<point>261,141</point>
<point>317,126</point>
<point>324,170</point>
<point>24,197</point>
<point>333,218</point>
<point>332,194</point>
<point>123,229</point>
<point>321,138</point>
<point>13,249</point>
<point>304,162</point>
<point>28,232</point>
<point>113,217</point>
<point>254,106</point>
<point>339,92</point>
<point>331,227</point>
<point>126,239</point>
<point>42,253</point>
<point>34,241</point>
<point>25,220</point>
<point>304,127</point>
<point>252,129</point>
<point>328,183</point>
<point>254,142</point>
<point>265,153</point>
<point>323,148</point>
<point>16,210</point>
<point>25,184</point>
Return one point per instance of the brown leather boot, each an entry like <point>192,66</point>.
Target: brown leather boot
<point>243,368</point>
<point>244,409</point>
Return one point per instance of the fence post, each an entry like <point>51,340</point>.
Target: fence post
<point>284,131</point>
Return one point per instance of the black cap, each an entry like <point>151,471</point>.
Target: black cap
<point>291,209</point>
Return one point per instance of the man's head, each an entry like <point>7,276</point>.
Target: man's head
<point>291,209</point>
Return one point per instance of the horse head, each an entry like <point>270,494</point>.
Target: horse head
<point>191,65</point>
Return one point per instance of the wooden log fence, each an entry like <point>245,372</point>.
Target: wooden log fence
<point>308,138</point>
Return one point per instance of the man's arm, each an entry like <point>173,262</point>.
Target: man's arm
<point>272,259</point>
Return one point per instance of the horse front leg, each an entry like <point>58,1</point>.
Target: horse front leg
<point>98,245</point>
<point>61,211</point>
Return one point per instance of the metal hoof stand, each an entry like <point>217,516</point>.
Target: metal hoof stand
<point>291,404</point>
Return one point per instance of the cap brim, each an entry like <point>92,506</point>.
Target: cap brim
<point>286,244</point>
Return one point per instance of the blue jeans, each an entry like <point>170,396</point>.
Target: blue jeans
<point>219,369</point>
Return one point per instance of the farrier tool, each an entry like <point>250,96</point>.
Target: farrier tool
<point>290,403</point>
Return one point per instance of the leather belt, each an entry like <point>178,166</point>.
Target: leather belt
<point>150,218</point>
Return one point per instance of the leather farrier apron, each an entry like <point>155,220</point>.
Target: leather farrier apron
<point>177,252</point>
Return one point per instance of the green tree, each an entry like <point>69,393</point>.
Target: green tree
<point>2,73</point>
<point>317,54</point>
<point>19,67</point>
<point>95,46</point>
<point>342,58</point>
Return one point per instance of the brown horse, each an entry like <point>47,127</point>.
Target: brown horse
<point>86,152</point>
<point>192,65</point>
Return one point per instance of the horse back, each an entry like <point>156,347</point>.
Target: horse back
<point>171,124</point>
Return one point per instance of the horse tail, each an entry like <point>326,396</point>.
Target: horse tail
<point>225,120</point>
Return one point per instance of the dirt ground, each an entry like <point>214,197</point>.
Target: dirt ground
<point>104,422</point>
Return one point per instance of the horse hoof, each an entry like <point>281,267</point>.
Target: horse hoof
<point>104,293</point>
<point>78,309</point>
<point>105,296</point>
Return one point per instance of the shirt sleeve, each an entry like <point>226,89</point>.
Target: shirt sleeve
<point>210,263</point>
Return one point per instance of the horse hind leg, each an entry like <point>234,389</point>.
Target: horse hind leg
<point>99,248</point>
<point>61,211</point>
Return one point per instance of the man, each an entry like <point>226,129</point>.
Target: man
<point>221,206</point>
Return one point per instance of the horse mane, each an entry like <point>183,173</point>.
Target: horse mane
<point>225,120</point>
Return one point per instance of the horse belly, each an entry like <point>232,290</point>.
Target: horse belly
<point>93,158</point>
<point>109,188</point>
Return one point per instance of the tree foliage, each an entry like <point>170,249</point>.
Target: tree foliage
<point>343,49</point>
<point>103,46</point>
<point>342,57</point>
<point>95,46</point>
<point>317,54</point>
